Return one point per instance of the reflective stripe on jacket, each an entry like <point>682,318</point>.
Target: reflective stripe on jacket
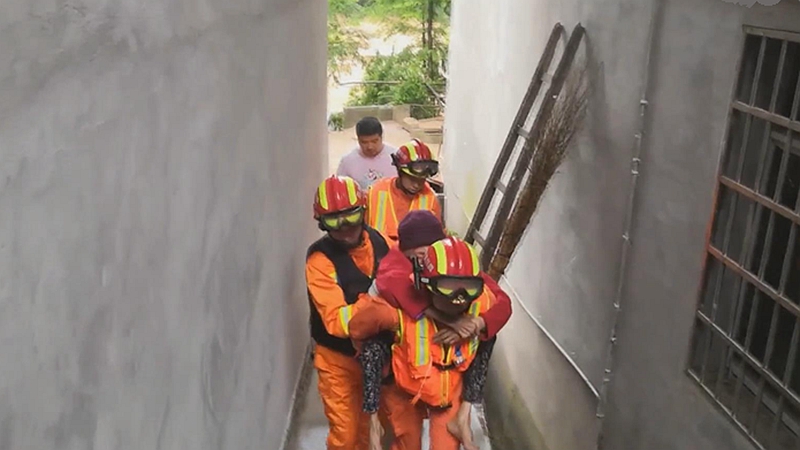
<point>382,214</point>
<point>430,372</point>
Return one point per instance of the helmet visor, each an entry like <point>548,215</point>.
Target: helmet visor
<point>456,289</point>
<point>421,169</point>
<point>337,221</point>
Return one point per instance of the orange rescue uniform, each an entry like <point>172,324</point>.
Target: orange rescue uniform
<point>387,205</point>
<point>428,376</point>
<point>340,379</point>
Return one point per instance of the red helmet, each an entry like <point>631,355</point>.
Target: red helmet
<point>416,159</point>
<point>450,268</point>
<point>450,257</point>
<point>338,194</point>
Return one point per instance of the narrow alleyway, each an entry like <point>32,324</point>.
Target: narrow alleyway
<point>312,428</point>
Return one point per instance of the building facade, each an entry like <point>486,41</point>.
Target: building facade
<point>707,332</point>
<point>157,166</point>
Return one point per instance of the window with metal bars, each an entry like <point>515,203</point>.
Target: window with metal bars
<point>747,330</point>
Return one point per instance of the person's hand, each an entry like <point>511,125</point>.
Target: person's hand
<point>375,433</point>
<point>464,328</point>
<point>468,327</point>
<point>446,336</point>
<point>480,324</point>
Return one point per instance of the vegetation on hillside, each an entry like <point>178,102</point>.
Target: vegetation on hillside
<point>400,78</point>
<point>344,39</point>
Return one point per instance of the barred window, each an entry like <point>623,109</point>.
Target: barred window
<point>747,330</point>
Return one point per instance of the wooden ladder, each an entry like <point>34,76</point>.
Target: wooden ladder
<point>495,186</point>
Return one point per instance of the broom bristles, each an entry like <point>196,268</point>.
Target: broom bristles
<point>550,148</point>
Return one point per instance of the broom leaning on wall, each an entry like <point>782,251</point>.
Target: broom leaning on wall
<point>550,148</point>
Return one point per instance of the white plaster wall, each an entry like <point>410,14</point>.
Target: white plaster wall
<point>157,161</point>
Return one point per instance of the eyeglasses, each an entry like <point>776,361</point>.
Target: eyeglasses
<point>421,169</point>
<point>458,290</point>
<point>337,221</point>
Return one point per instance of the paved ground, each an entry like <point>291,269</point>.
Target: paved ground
<point>314,427</point>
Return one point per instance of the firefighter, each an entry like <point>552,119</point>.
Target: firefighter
<point>429,376</point>
<point>390,199</point>
<point>394,283</point>
<point>339,271</point>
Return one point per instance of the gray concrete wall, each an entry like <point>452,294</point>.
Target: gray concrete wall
<point>691,90</point>
<point>564,275</point>
<point>157,162</point>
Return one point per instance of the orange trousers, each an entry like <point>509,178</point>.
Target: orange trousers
<point>406,420</point>
<point>340,387</point>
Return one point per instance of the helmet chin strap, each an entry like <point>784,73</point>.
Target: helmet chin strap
<point>400,175</point>
<point>348,246</point>
<point>449,315</point>
<point>358,242</point>
<point>402,188</point>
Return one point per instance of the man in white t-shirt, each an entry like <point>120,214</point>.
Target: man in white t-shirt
<point>372,159</point>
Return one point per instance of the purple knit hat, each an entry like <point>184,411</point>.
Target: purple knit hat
<point>419,228</point>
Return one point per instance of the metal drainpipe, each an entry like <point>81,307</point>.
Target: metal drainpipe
<point>626,238</point>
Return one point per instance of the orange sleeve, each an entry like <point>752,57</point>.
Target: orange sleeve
<point>327,296</point>
<point>373,316</point>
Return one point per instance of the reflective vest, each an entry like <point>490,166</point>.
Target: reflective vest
<point>430,372</point>
<point>350,279</point>
<point>381,214</point>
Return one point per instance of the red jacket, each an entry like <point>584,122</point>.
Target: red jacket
<point>395,284</point>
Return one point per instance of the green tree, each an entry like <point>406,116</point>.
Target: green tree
<point>414,68</point>
<point>398,79</point>
<point>428,19</point>
<point>344,39</point>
